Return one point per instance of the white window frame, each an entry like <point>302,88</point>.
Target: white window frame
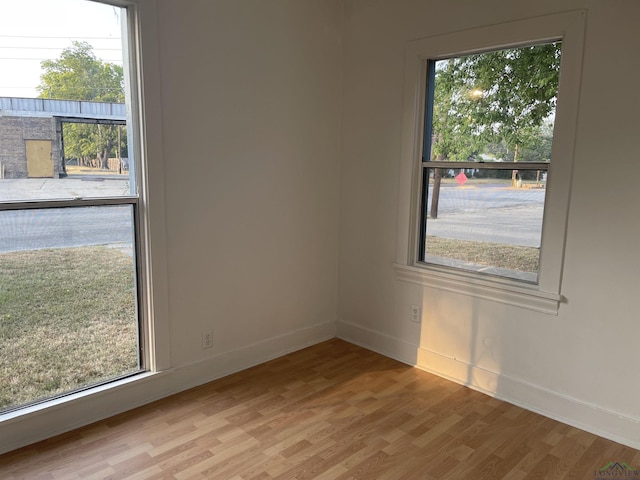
<point>144,120</point>
<point>546,295</point>
<point>146,116</point>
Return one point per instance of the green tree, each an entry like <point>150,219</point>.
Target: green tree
<point>539,148</point>
<point>499,98</point>
<point>79,75</point>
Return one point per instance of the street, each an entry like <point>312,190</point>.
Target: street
<point>489,213</point>
<point>66,227</point>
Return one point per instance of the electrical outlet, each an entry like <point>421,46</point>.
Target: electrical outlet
<point>416,315</point>
<point>207,339</point>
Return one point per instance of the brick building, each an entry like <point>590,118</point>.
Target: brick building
<point>31,132</point>
<point>25,144</point>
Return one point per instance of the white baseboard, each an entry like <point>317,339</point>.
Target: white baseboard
<point>36,423</point>
<point>592,418</point>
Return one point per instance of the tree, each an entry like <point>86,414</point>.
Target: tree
<point>79,75</point>
<point>496,98</point>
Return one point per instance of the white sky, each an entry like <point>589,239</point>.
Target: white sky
<point>35,30</point>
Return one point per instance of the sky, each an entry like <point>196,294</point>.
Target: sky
<point>35,30</point>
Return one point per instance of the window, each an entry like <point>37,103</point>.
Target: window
<point>70,202</point>
<point>487,147</point>
<point>487,159</point>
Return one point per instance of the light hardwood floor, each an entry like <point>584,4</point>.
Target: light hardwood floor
<point>331,411</point>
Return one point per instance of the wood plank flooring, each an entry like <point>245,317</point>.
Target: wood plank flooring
<point>333,411</point>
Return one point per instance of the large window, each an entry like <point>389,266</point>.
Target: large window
<point>488,138</point>
<point>69,202</point>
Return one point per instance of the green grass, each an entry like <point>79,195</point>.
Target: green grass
<point>511,257</point>
<point>67,320</point>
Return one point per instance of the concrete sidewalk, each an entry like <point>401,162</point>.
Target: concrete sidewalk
<point>62,188</point>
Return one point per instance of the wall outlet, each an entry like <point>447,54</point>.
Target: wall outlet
<point>416,314</point>
<point>207,339</point>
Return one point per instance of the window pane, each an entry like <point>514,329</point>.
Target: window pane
<point>494,109</point>
<point>68,303</point>
<point>64,124</point>
<point>68,277</point>
<point>484,224</point>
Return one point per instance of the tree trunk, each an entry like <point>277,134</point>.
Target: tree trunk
<point>100,159</point>
<point>435,194</point>
<point>106,153</point>
<point>514,173</point>
<point>119,153</point>
<point>107,146</point>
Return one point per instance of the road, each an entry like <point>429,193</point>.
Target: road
<point>454,199</point>
<point>489,213</point>
<point>66,227</point>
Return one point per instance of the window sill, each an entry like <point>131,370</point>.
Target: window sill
<point>496,290</point>
<point>88,394</point>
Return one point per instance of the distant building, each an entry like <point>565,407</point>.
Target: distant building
<point>31,132</point>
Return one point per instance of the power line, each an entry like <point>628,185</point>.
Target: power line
<point>65,37</point>
<point>42,59</point>
<point>59,48</point>
<point>82,89</point>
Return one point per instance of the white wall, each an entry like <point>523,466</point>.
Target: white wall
<point>581,366</point>
<point>251,114</point>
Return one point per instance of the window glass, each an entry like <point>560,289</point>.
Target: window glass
<point>68,316</point>
<point>488,138</point>
<point>68,201</point>
<point>64,126</point>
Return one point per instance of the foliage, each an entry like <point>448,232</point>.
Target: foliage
<point>537,147</point>
<point>93,144</point>
<point>500,98</point>
<point>79,75</point>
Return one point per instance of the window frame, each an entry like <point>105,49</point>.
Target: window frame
<point>545,296</point>
<point>149,232</point>
<point>144,115</point>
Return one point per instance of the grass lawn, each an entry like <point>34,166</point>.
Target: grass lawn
<point>67,320</point>
<point>511,257</point>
